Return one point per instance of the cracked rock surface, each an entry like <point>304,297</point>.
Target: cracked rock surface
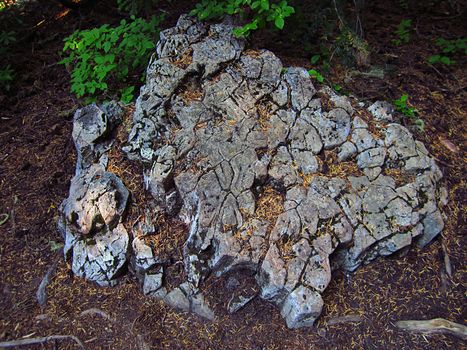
<point>255,160</point>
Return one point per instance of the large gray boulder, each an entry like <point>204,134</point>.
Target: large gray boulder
<point>264,174</point>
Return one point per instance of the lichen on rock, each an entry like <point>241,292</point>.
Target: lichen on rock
<point>246,153</point>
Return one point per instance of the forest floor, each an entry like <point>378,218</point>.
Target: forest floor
<point>37,161</point>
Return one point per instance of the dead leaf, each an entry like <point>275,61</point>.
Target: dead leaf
<point>449,145</point>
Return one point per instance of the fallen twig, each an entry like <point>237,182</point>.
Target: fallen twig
<point>12,216</point>
<point>447,260</point>
<point>436,325</point>
<point>41,291</point>
<point>41,340</point>
<point>344,319</point>
<point>4,218</point>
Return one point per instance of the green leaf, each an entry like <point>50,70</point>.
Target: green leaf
<point>279,22</point>
<point>337,87</point>
<point>127,94</point>
<point>434,59</point>
<point>313,73</point>
<point>254,5</point>
<point>445,60</point>
<point>107,45</point>
<point>315,59</point>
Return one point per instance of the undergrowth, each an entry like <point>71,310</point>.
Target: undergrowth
<point>104,61</point>
<point>258,12</point>
<point>402,105</point>
<point>449,49</point>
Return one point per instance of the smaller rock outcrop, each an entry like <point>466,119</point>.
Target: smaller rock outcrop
<point>91,217</point>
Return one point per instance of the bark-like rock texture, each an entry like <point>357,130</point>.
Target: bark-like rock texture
<point>268,174</point>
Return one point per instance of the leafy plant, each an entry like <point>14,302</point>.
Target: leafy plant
<point>6,77</point>
<point>263,11</point>
<point>315,59</point>
<point>403,32</point>
<point>105,56</point>
<point>402,105</point>
<point>337,87</point>
<point>449,48</point>
<point>316,75</point>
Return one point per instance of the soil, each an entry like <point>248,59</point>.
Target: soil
<point>37,161</point>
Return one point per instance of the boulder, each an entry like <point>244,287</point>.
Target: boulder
<point>267,174</point>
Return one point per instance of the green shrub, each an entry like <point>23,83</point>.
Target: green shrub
<point>262,11</point>
<point>402,105</point>
<point>105,56</point>
<point>449,48</point>
<point>403,32</point>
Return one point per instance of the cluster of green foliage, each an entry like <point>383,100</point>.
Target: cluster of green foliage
<point>262,11</point>
<point>403,32</point>
<point>448,49</point>
<point>402,105</point>
<point>134,7</point>
<point>316,75</point>
<point>105,55</point>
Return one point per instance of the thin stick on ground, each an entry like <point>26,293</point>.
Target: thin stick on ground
<point>447,260</point>
<point>41,294</point>
<point>41,340</point>
<point>436,325</point>
<point>344,319</point>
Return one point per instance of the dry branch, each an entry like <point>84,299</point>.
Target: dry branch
<point>344,319</point>
<point>41,294</point>
<point>436,325</point>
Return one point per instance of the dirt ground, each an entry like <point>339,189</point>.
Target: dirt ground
<point>37,161</point>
